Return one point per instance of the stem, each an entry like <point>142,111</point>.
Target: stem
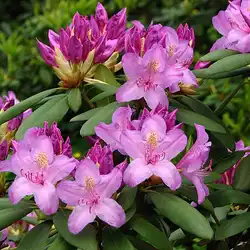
<point>86,99</point>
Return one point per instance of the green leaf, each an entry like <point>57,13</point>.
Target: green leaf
<point>101,96</point>
<point>212,177</point>
<point>177,235</point>
<point>140,244</point>
<point>126,197</point>
<point>228,162</point>
<point>5,203</point>
<point>75,99</point>
<point>53,110</point>
<point>14,213</point>
<point>130,212</point>
<point>222,198</point>
<point>233,226</point>
<point>104,115</point>
<point>217,55</point>
<point>86,115</point>
<point>104,74</point>
<point>228,99</point>
<point>190,118</point>
<point>220,186</point>
<point>115,240</point>
<point>241,178</point>
<point>24,105</point>
<point>36,238</point>
<point>150,233</point>
<point>86,240</point>
<point>182,214</point>
<point>61,244</point>
<point>102,85</point>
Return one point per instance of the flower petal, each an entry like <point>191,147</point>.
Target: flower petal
<point>168,173</point>
<point>20,188</point>
<point>109,211</point>
<point>46,198</point>
<point>156,96</point>
<point>136,172</point>
<point>132,65</point>
<point>79,219</point>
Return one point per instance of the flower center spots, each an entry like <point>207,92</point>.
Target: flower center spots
<point>154,65</point>
<point>152,139</point>
<point>42,160</point>
<point>171,49</point>
<point>89,183</point>
<point>146,84</point>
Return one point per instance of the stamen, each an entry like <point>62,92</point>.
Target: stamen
<point>152,139</point>
<point>89,183</point>
<point>42,160</point>
<point>154,65</point>
<point>171,49</point>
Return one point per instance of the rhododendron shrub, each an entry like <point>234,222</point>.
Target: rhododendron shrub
<point>159,166</point>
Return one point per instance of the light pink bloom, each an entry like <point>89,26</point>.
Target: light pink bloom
<point>191,165</point>
<point>152,149</point>
<point>37,170</point>
<point>90,194</point>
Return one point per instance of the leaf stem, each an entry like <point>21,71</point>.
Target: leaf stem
<point>86,99</point>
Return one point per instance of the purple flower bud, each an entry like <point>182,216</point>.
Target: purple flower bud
<point>47,54</point>
<point>101,17</point>
<point>186,33</point>
<point>74,50</point>
<point>105,50</point>
<point>64,42</point>
<point>15,122</point>
<point>4,148</point>
<point>53,39</point>
<point>202,65</point>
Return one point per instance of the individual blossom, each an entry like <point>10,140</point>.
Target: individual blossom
<point>228,177</point>
<point>102,157</point>
<point>90,194</point>
<point>146,77</point>
<point>151,150</point>
<point>111,133</point>
<point>54,133</point>
<point>75,52</point>
<point>37,170</point>
<point>191,165</point>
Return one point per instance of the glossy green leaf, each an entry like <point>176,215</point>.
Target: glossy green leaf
<point>182,214</point>
<point>102,85</point>
<point>233,226</point>
<point>104,115</point>
<point>217,55</point>
<point>36,238</point>
<point>130,212</point>
<point>177,235</point>
<point>14,213</point>
<point>86,240</point>
<point>86,115</point>
<point>126,197</point>
<point>24,105</point>
<point>228,162</point>
<point>104,74</point>
<point>222,198</point>
<point>140,244</point>
<point>60,244</point>
<point>53,110</point>
<point>6,203</point>
<point>150,233</point>
<point>190,118</point>
<point>115,240</point>
<point>101,96</point>
<point>241,177</point>
<point>75,99</point>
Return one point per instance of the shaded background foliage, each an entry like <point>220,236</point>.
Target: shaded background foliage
<point>22,69</point>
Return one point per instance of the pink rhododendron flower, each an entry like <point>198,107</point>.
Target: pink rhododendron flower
<point>191,165</point>
<point>87,41</point>
<point>111,133</point>
<point>234,26</point>
<point>90,194</point>
<point>227,177</point>
<point>102,157</point>
<point>152,149</point>
<point>37,170</point>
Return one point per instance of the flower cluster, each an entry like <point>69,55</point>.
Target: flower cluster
<point>152,142</point>
<point>86,42</point>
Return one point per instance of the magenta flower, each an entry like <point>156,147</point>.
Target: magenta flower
<point>4,242</point>
<point>102,157</point>
<point>152,149</point>
<point>234,26</point>
<point>87,41</point>
<point>90,194</point>
<point>191,165</point>
<point>38,169</point>
<point>186,33</point>
<point>111,133</point>
<point>146,78</point>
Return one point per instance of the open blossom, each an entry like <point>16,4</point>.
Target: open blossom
<point>75,51</point>
<point>234,26</point>
<point>90,194</point>
<point>228,176</point>
<point>191,165</point>
<point>152,150</point>
<point>111,133</point>
<point>37,170</point>
<point>102,157</point>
